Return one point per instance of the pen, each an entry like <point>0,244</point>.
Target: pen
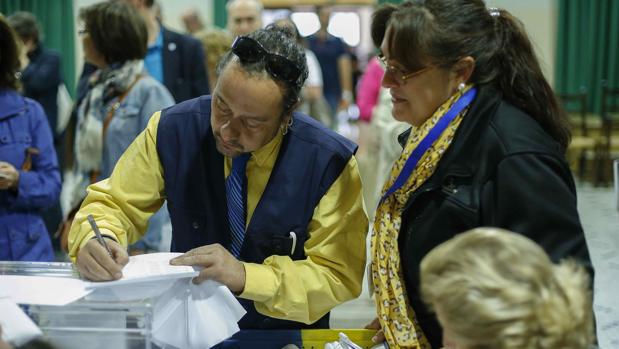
<point>94,226</point>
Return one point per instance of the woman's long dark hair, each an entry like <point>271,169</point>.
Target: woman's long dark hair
<point>441,32</point>
<point>9,56</point>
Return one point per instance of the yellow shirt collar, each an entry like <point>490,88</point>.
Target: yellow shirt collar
<point>264,157</point>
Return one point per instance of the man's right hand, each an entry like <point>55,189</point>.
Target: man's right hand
<point>94,263</point>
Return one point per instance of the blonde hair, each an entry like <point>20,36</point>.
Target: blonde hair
<point>216,43</point>
<point>500,290</point>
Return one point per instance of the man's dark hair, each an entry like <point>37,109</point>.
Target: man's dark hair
<point>25,25</point>
<point>117,31</point>
<point>9,56</point>
<point>279,41</point>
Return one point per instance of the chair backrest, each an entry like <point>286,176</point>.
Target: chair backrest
<point>577,102</point>
<point>610,101</point>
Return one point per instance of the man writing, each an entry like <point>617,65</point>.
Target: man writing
<point>268,201</point>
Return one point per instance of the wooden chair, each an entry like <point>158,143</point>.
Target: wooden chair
<point>583,143</point>
<point>609,146</point>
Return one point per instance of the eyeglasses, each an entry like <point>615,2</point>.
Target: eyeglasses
<point>251,51</point>
<point>400,76</point>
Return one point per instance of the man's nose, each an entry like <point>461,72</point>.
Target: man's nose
<point>229,130</point>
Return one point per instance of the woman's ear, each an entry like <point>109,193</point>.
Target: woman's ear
<point>463,69</point>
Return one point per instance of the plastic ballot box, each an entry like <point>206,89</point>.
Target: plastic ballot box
<point>86,323</point>
<point>93,322</point>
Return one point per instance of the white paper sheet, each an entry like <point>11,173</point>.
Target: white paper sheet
<point>17,328</point>
<point>196,316</point>
<point>148,267</point>
<point>42,290</point>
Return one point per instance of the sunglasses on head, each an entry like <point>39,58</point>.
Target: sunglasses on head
<point>251,51</point>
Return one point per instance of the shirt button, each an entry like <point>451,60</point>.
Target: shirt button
<point>195,225</point>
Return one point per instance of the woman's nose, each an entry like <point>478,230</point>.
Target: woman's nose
<point>389,80</point>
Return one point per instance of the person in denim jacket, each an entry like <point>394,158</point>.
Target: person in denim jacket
<point>120,101</point>
<point>29,176</point>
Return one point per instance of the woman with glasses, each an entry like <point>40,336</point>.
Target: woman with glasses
<point>485,148</point>
<point>121,99</point>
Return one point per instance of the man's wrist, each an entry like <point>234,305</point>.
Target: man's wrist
<point>106,236</point>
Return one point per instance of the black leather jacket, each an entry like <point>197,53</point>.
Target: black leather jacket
<point>502,170</point>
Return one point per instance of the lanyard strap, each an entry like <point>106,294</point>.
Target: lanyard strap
<point>429,139</point>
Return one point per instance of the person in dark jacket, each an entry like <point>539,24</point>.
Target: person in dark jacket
<point>486,149</point>
<point>29,176</point>
<point>42,75</point>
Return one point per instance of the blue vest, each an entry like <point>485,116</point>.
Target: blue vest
<point>310,159</point>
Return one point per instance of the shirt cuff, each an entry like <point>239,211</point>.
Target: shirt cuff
<point>260,282</point>
<point>104,233</point>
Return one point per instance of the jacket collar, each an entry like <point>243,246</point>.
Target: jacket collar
<point>12,103</point>
<point>468,134</point>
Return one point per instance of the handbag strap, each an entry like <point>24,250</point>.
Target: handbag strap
<point>94,174</point>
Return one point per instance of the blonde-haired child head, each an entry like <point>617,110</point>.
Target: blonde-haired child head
<point>495,289</point>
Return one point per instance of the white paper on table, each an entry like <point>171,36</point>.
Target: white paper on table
<point>17,328</point>
<point>149,267</point>
<point>42,290</point>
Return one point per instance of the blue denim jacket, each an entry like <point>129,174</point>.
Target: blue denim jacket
<point>146,97</point>
<point>23,124</point>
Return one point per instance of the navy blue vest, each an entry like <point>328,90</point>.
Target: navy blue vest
<point>310,159</point>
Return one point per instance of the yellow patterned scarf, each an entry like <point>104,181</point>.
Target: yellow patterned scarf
<point>395,314</point>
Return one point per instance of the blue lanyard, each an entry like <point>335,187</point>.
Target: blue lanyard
<point>429,139</point>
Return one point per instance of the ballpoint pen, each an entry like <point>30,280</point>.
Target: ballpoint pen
<point>94,226</point>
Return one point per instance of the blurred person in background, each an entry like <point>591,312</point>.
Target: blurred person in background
<point>368,91</point>
<point>42,75</point>
<point>216,43</point>
<point>486,295</point>
<point>40,81</point>
<point>485,148</point>
<point>29,176</point>
<point>312,101</point>
<point>335,64</point>
<point>121,99</point>
<point>192,21</point>
<point>244,16</point>
<point>176,60</point>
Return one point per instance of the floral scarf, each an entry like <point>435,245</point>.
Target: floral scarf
<point>395,314</point>
<point>105,85</point>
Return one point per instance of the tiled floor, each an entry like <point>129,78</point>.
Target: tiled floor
<point>600,220</point>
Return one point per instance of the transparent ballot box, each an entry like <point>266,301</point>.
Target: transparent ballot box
<point>87,323</point>
<point>94,322</point>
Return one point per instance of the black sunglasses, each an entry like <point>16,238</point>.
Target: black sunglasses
<point>251,51</point>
